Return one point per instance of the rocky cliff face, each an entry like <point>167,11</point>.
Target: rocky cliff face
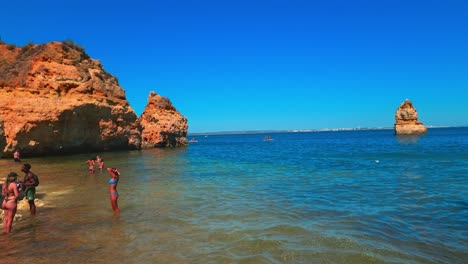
<point>406,120</point>
<point>55,99</point>
<point>162,125</point>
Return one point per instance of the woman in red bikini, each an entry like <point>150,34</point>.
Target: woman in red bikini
<point>114,195</point>
<point>91,165</point>
<point>10,194</point>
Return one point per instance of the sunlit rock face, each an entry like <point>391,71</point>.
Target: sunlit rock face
<point>55,99</point>
<point>162,125</point>
<point>406,120</point>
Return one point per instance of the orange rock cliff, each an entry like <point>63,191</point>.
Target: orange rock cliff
<point>55,99</point>
<point>162,125</point>
<point>406,120</point>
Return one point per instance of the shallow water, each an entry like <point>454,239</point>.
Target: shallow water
<point>325,197</point>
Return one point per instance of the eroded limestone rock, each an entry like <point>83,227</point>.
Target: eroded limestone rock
<point>162,125</point>
<point>406,120</point>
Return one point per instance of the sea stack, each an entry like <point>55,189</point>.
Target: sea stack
<point>406,120</point>
<point>162,125</point>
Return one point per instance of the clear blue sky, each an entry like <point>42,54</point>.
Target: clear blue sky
<point>259,65</point>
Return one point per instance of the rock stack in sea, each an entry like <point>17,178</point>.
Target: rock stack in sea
<point>406,120</point>
<point>55,99</point>
<point>162,125</point>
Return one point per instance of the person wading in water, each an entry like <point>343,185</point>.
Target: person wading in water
<point>30,182</point>
<point>114,195</point>
<point>9,205</point>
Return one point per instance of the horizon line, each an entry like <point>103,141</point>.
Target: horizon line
<point>302,130</point>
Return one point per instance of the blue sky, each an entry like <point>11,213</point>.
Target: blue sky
<point>261,65</point>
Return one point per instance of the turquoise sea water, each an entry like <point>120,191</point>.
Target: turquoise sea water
<point>322,197</point>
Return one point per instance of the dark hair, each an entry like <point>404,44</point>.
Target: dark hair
<point>27,166</point>
<point>12,176</point>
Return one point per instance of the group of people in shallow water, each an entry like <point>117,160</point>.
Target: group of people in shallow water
<point>114,173</point>
<point>12,188</point>
<point>92,162</point>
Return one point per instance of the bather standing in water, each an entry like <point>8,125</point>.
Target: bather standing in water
<point>100,162</point>
<point>114,195</point>
<point>9,205</point>
<point>16,156</point>
<point>91,165</point>
<point>29,184</point>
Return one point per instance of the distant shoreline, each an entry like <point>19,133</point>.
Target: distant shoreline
<point>302,130</point>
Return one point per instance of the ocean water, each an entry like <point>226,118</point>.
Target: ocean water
<point>322,197</point>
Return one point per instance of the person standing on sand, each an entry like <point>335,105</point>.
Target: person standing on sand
<point>16,156</point>
<point>114,195</point>
<point>9,205</point>
<point>91,165</point>
<point>29,183</point>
